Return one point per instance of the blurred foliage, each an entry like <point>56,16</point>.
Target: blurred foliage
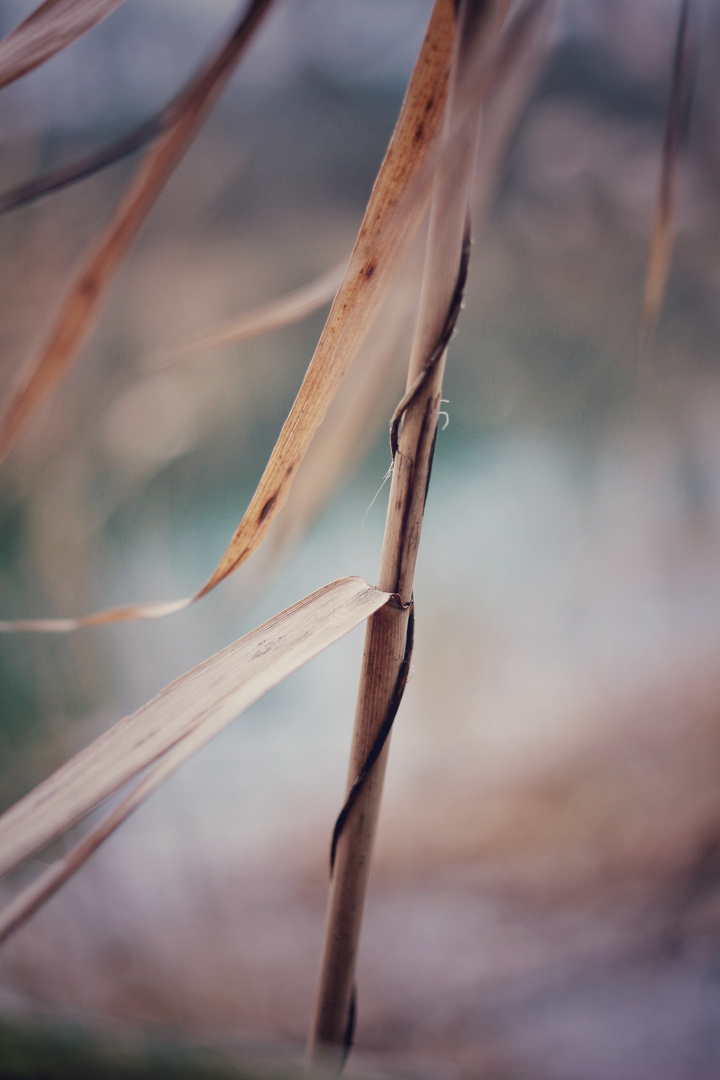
<point>37,1051</point>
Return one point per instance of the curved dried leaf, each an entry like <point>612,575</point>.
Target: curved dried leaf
<point>357,417</point>
<point>522,52</point>
<point>79,311</point>
<point>28,192</point>
<point>184,715</point>
<point>51,27</point>
<point>287,309</point>
<point>392,217</point>
<point>396,207</point>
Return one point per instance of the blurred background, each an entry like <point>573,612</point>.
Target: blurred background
<point>546,894</point>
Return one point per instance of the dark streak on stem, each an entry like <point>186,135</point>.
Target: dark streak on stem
<point>382,735</point>
<point>440,345</point>
<point>402,677</point>
<point>430,465</point>
<point>409,502</point>
<point>434,358</point>
<point>683,82</point>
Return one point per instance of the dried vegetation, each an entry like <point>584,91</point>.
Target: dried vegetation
<point>472,78</point>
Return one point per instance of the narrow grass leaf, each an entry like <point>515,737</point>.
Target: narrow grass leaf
<point>78,313</point>
<point>396,207</point>
<point>357,417</point>
<point>287,309</point>
<point>87,166</point>
<point>522,52</point>
<point>271,653</point>
<point>392,217</point>
<point>203,700</point>
<point>51,27</point>
<point>661,241</point>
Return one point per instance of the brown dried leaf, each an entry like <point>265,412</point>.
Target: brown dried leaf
<point>357,417</point>
<point>50,29</point>
<point>182,718</point>
<point>359,411</point>
<point>392,217</point>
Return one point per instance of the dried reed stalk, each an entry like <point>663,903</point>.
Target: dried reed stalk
<point>386,653</point>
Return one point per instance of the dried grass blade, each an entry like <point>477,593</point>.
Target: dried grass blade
<point>50,29</point>
<point>324,617</point>
<point>396,207</point>
<point>202,702</point>
<point>522,52</point>
<point>83,303</point>
<point>391,220</point>
<point>87,166</point>
<point>661,241</point>
<point>287,309</point>
<point>357,417</point>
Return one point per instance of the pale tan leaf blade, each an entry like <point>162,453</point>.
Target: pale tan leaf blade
<point>661,241</point>
<point>212,694</point>
<point>30,899</point>
<point>78,313</point>
<point>284,311</point>
<point>396,207</point>
<point>51,27</point>
<point>329,623</point>
<point>129,613</point>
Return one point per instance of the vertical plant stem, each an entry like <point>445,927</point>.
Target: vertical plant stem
<point>385,641</point>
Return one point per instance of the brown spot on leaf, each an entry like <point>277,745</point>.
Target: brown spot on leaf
<point>267,508</point>
<point>89,288</point>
